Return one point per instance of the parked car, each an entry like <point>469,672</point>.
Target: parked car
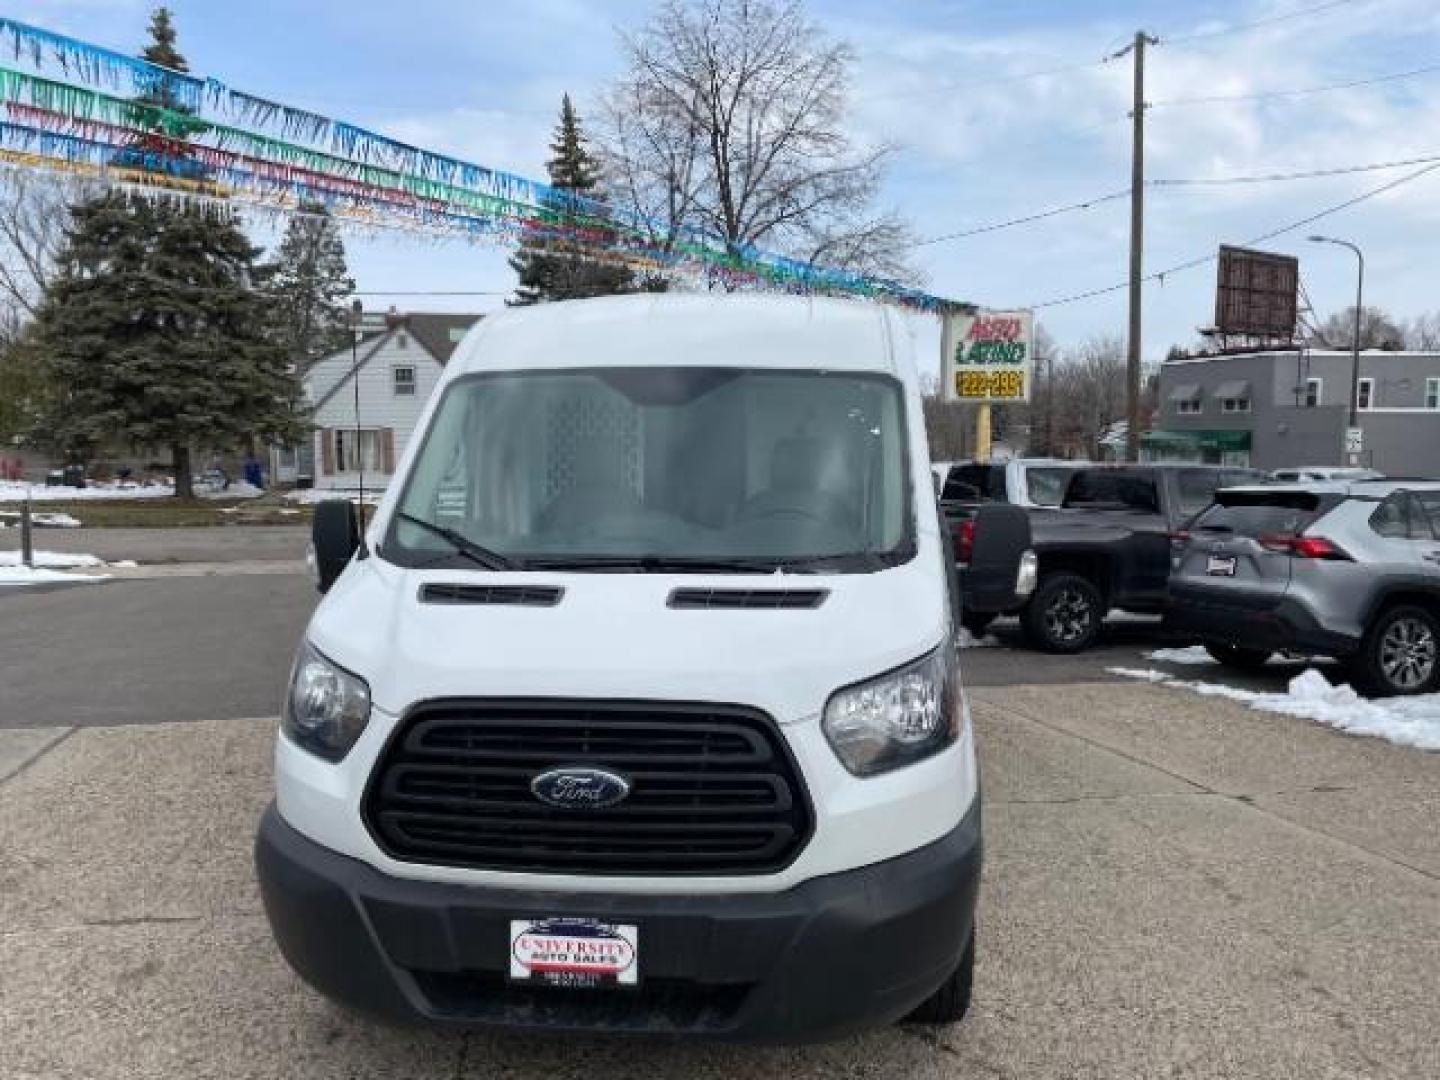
<point>1025,482</point>
<point>1108,546</point>
<point>637,706</point>
<point>995,561</point>
<point>1325,472</point>
<point>1350,571</point>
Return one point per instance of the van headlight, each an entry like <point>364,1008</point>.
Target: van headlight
<point>897,718</point>
<point>327,707</point>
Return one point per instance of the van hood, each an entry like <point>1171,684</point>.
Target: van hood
<point>612,636</point>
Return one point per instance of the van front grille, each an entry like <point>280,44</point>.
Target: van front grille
<point>713,789</point>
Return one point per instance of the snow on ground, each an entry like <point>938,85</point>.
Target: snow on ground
<point>1195,655</point>
<point>41,519</point>
<point>24,575</point>
<point>53,560</point>
<point>310,496</point>
<point>1413,721</point>
<point>14,491</point>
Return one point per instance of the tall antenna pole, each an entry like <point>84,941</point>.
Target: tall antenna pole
<point>357,309</point>
<point>1137,245</point>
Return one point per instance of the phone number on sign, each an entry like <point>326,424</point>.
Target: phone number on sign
<point>992,384</point>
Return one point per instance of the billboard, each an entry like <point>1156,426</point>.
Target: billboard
<point>1255,293</point>
<point>988,355</point>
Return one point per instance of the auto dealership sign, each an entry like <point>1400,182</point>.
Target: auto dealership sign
<point>989,356</point>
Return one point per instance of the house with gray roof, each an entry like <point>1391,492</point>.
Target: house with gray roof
<point>394,367</point>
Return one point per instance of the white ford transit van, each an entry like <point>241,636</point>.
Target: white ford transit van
<point>636,706</point>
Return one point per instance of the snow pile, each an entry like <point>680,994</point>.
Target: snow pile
<point>14,491</point>
<point>310,496</point>
<point>1413,721</point>
<point>238,489</point>
<point>40,519</point>
<point>52,567</point>
<point>24,575</point>
<point>1193,655</point>
<point>53,560</point>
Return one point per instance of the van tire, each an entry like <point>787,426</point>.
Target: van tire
<point>1374,672</point>
<point>1071,630</point>
<point>951,1002</point>
<point>1240,659</point>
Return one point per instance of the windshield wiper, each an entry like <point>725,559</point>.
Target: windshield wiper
<point>463,545</point>
<point>662,564</point>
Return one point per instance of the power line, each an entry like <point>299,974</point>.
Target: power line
<point>1160,275</point>
<point>1309,174</point>
<point>1024,220</point>
<point>1303,91</point>
<point>1258,24</point>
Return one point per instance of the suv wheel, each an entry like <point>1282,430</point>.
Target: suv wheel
<point>951,1002</point>
<point>1233,656</point>
<point>1401,653</point>
<point>1064,615</point>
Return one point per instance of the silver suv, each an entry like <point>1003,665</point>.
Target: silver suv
<point>1349,570</point>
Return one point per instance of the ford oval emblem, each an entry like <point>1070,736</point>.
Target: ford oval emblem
<point>580,788</point>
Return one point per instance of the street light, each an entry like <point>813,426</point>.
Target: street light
<point>1359,308</point>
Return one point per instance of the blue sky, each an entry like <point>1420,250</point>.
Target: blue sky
<point>936,80</point>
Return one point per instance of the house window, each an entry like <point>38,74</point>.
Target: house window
<point>1432,393</point>
<point>346,457</point>
<point>401,340</point>
<point>1234,405</point>
<point>1187,406</point>
<point>1365,393</point>
<point>1314,393</point>
<point>404,381</point>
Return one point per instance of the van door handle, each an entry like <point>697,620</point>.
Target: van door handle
<point>1432,556</point>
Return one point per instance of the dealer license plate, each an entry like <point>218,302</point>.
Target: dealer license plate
<point>580,953</point>
<point>1220,565</point>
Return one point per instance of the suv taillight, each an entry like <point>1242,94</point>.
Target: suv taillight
<point>1304,547</point>
<point>964,540</point>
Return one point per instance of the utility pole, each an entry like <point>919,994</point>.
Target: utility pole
<point>1137,243</point>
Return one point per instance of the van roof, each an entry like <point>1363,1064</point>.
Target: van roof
<point>689,330</point>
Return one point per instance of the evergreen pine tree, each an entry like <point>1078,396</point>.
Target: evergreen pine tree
<point>550,264</point>
<point>152,329</point>
<point>307,284</point>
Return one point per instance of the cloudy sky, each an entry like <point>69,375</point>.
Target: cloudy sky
<point>951,86</point>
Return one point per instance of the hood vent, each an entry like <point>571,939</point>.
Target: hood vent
<point>734,599</point>
<point>443,592</point>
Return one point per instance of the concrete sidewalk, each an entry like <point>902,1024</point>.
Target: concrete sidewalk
<point>1174,887</point>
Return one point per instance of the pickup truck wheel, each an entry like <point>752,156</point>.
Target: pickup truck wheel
<point>1400,653</point>
<point>1064,615</point>
<point>951,1002</point>
<point>1233,656</point>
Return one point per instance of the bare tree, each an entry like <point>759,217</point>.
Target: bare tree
<point>1089,394</point>
<point>1378,330</point>
<point>1422,333</point>
<point>34,211</point>
<point>730,120</point>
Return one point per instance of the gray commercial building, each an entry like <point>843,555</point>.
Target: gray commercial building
<point>1269,410</point>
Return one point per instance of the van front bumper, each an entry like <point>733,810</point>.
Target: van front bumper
<point>827,958</point>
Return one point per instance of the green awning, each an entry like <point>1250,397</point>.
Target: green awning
<point>1224,441</point>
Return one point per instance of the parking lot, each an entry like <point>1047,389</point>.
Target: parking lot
<point>1176,885</point>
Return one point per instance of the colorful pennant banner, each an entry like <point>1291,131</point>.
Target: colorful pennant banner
<point>183,136</point>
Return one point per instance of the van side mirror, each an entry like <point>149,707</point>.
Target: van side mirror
<point>334,537</point>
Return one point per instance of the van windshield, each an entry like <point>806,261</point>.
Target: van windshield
<point>676,468</point>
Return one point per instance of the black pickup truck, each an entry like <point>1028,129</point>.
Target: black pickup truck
<point>1108,546</point>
